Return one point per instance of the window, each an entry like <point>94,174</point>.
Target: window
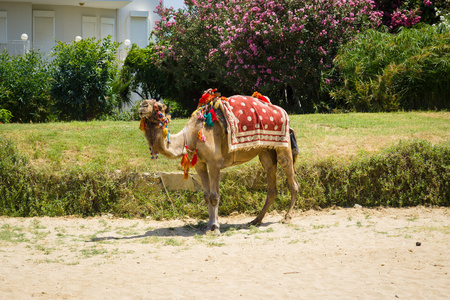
<point>139,28</point>
<point>89,27</point>
<point>3,28</point>
<point>108,27</point>
<point>43,30</point>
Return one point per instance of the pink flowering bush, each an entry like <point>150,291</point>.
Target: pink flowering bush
<point>406,13</point>
<point>277,47</point>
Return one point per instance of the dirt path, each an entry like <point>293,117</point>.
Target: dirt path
<point>332,254</point>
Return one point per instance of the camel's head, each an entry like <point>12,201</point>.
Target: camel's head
<point>153,110</point>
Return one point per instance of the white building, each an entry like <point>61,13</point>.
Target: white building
<point>40,23</point>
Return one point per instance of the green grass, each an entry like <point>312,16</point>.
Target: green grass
<point>108,145</point>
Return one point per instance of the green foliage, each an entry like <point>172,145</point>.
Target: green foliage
<point>24,87</point>
<point>82,78</point>
<point>141,75</point>
<point>122,115</point>
<point>384,72</point>
<point>5,116</point>
<point>408,174</point>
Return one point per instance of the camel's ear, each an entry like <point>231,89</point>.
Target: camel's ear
<point>168,108</point>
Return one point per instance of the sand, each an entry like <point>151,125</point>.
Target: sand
<point>353,253</point>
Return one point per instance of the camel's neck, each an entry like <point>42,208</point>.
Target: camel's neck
<point>160,144</point>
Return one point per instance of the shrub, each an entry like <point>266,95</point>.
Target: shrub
<point>407,174</point>
<point>140,74</point>
<point>25,87</point>
<point>384,72</point>
<point>82,77</point>
<point>5,116</point>
<point>407,13</point>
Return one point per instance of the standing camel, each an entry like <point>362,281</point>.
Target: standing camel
<point>213,154</point>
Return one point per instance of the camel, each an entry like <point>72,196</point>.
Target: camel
<point>214,155</point>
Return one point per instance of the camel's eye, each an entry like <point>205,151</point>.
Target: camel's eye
<point>144,104</point>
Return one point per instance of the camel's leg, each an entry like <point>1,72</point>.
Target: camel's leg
<point>214,198</point>
<point>284,157</point>
<point>202,171</point>
<point>269,161</point>
<point>209,194</point>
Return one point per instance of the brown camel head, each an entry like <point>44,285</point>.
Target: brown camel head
<point>154,111</point>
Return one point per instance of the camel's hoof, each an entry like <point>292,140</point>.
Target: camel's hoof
<point>286,220</point>
<point>213,232</point>
<point>255,222</point>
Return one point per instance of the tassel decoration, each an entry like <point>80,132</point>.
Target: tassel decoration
<point>207,97</point>
<point>185,163</point>
<point>213,115</point>
<point>194,159</point>
<point>165,132</point>
<point>142,125</point>
<point>261,97</point>
<point>208,120</point>
<point>153,154</point>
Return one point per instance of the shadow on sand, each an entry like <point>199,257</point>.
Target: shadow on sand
<point>188,230</point>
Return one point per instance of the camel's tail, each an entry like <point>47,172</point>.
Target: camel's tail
<point>294,145</point>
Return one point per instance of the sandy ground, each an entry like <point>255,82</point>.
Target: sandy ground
<point>352,253</point>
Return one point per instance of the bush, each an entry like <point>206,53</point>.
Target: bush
<point>5,116</point>
<point>82,78</point>
<point>407,174</point>
<point>383,72</point>
<point>397,14</point>
<point>25,87</point>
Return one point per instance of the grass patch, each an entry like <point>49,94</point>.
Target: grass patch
<point>58,169</point>
<point>93,251</point>
<point>12,234</point>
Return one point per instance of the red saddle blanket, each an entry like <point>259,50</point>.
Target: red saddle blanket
<point>253,123</point>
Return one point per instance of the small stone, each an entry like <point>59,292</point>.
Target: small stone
<point>418,244</point>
